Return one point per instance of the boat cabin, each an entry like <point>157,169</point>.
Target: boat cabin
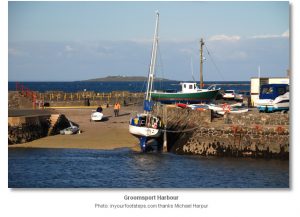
<point>144,120</point>
<point>189,87</point>
<point>271,91</point>
<point>257,82</point>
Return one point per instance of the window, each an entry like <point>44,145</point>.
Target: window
<point>264,90</point>
<point>267,90</point>
<point>270,90</point>
<point>190,86</point>
<point>281,91</point>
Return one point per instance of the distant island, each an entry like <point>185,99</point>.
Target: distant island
<point>124,78</point>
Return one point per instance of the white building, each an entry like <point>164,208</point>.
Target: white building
<point>257,82</point>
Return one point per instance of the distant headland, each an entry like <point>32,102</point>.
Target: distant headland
<point>123,78</point>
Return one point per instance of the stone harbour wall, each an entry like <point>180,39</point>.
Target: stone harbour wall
<point>25,129</point>
<point>253,134</point>
<point>179,117</point>
<point>271,142</point>
<point>272,119</point>
<point>17,100</point>
<point>26,132</point>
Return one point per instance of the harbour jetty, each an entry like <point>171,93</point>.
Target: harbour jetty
<point>27,125</point>
<point>25,99</point>
<point>252,134</point>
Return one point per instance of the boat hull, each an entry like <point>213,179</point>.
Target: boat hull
<point>96,116</point>
<point>144,132</point>
<point>238,111</point>
<point>281,103</point>
<point>274,108</point>
<point>197,97</point>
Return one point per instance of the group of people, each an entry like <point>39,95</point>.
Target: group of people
<point>117,107</point>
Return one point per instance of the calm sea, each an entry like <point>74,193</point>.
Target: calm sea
<point>123,168</point>
<point>137,86</point>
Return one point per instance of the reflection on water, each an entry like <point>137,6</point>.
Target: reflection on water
<point>123,168</point>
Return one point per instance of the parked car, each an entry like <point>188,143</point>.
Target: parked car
<point>238,96</point>
<point>229,94</point>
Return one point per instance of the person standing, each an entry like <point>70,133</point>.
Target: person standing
<point>99,109</point>
<point>118,106</point>
<point>116,109</point>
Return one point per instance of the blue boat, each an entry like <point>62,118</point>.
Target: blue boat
<point>273,97</point>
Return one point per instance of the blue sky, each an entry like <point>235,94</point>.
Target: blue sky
<point>61,41</point>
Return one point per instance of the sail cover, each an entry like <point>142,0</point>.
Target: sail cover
<point>148,105</point>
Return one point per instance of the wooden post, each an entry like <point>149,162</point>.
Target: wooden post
<point>165,119</point>
<point>201,62</point>
<point>34,100</point>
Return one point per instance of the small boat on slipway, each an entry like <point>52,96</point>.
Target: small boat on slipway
<point>96,116</point>
<point>73,129</point>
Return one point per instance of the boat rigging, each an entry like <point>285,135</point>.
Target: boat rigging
<point>146,126</point>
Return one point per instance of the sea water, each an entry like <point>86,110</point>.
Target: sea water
<point>124,168</point>
<point>134,86</point>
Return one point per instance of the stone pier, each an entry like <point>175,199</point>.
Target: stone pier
<point>28,125</point>
<point>252,134</point>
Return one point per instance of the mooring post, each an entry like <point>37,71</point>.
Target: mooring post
<point>165,144</point>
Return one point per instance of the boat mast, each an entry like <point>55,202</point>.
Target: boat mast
<point>153,60</point>
<point>201,62</point>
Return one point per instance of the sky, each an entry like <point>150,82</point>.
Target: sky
<point>68,41</point>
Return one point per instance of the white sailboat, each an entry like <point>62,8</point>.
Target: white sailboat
<point>146,126</point>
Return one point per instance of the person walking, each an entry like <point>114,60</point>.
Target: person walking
<point>116,109</point>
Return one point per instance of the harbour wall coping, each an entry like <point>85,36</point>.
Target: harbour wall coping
<point>59,98</point>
